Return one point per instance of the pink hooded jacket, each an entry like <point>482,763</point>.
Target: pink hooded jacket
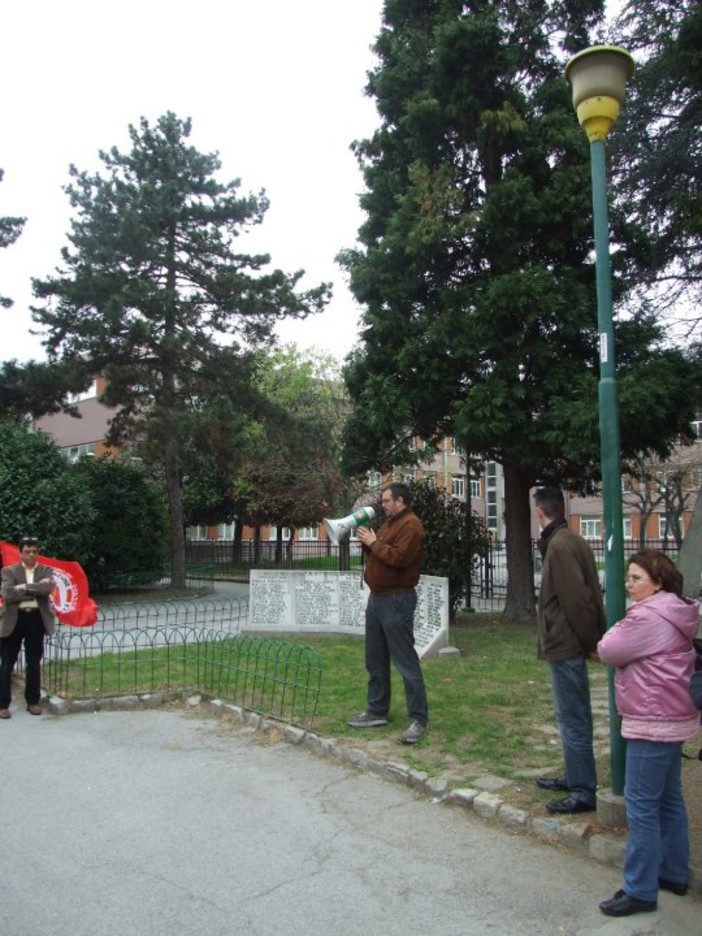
<point>651,649</point>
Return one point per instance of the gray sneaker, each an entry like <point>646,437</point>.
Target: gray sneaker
<point>367,720</point>
<point>415,731</point>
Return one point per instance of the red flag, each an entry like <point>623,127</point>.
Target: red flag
<point>72,603</point>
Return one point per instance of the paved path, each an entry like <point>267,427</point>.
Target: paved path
<point>162,823</point>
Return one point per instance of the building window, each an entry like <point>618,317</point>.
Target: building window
<point>273,533</point>
<point>458,488</point>
<point>307,533</point>
<point>697,429</point>
<point>374,480</point>
<point>475,487</point>
<point>662,526</point>
<point>491,496</point>
<point>626,528</point>
<point>89,394</point>
<point>74,452</point>
<point>194,533</point>
<point>591,528</point>
<point>227,531</point>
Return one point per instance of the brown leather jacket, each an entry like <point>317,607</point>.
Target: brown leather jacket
<point>394,561</point>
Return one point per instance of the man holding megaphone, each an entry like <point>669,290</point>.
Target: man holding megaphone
<point>392,568</point>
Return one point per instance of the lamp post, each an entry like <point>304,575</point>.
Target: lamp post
<point>598,78</point>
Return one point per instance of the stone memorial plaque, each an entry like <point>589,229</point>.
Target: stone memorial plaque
<point>315,602</point>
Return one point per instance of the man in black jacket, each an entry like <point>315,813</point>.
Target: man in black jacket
<point>571,620</point>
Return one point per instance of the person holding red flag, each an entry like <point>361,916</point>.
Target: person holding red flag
<point>28,616</point>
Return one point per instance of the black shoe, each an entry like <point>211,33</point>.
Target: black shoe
<point>556,784</point>
<point>624,905</point>
<point>571,804</point>
<point>673,887</point>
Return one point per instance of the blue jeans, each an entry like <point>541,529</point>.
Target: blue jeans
<point>658,843</point>
<point>571,703</point>
<point>390,637</point>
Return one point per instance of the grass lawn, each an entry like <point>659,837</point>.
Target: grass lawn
<point>487,707</point>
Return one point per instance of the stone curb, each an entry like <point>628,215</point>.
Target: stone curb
<point>578,836</point>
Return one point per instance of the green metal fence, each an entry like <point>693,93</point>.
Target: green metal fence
<point>272,677</point>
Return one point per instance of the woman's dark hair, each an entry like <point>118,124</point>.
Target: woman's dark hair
<point>660,570</point>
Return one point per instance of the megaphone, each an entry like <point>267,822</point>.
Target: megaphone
<point>338,528</point>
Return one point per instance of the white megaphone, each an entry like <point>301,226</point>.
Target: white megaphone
<point>338,528</point>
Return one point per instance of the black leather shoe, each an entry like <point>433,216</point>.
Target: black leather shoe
<point>571,804</point>
<point>624,905</point>
<point>556,784</point>
<point>673,887</point>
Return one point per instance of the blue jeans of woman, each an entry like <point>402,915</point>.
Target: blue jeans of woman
<point>390,637</point>
<point>571,703</point>
<point>658,845</point>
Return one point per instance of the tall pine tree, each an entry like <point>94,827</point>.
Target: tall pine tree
<point>153,293</point>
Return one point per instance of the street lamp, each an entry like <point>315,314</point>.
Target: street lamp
<point>598,77</point>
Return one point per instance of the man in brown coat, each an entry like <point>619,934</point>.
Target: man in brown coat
<point>27,616</point>
<point>393,564</point>
<point>571,620</point>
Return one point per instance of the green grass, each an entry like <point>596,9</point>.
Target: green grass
<point>486,706</point>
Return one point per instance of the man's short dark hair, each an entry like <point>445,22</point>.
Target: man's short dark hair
<point>550,500</point>
<point>27,540</point>
<point>397,489</point>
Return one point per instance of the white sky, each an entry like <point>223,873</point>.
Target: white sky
<point>275,86</point>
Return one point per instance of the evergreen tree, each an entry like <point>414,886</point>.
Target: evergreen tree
<point>10,230</point>
<point>129,539</point>
<point>658,162</point>
<point>152,289</point>
<point>476,266</point>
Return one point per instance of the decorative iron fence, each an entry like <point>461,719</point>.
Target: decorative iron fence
<point>140,651</point>
<point>224,614</point>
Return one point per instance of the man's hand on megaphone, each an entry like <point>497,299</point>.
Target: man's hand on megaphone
<point>366,536</point>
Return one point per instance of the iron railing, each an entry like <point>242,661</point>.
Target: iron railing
<point>134,650</point>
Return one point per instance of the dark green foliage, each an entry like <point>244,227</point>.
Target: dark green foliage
<point>456,538</point>
<point>35,389</point>
<point>40,494</point>
<point>154,294</point>
<point>10,230</point>
<point>658,159</point>
<point>131,536</point>
<point>292,476</point>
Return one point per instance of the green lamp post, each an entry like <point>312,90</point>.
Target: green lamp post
<point>598,78</point>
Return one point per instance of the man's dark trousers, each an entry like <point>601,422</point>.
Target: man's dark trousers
<point>30,629</point>
<point>390,638</point>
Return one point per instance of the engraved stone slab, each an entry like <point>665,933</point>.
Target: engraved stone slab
<point>301,601</point>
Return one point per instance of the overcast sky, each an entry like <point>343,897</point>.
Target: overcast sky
<point>276,87</point>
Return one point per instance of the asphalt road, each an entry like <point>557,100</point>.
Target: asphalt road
<point>166,823</point>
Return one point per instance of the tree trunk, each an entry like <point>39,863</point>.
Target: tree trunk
<point>519,607</point>
<point>237,547</point>
<point>175,514</point>
<point>690,558</point>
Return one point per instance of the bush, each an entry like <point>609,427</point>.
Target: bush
<point>130,539</point>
